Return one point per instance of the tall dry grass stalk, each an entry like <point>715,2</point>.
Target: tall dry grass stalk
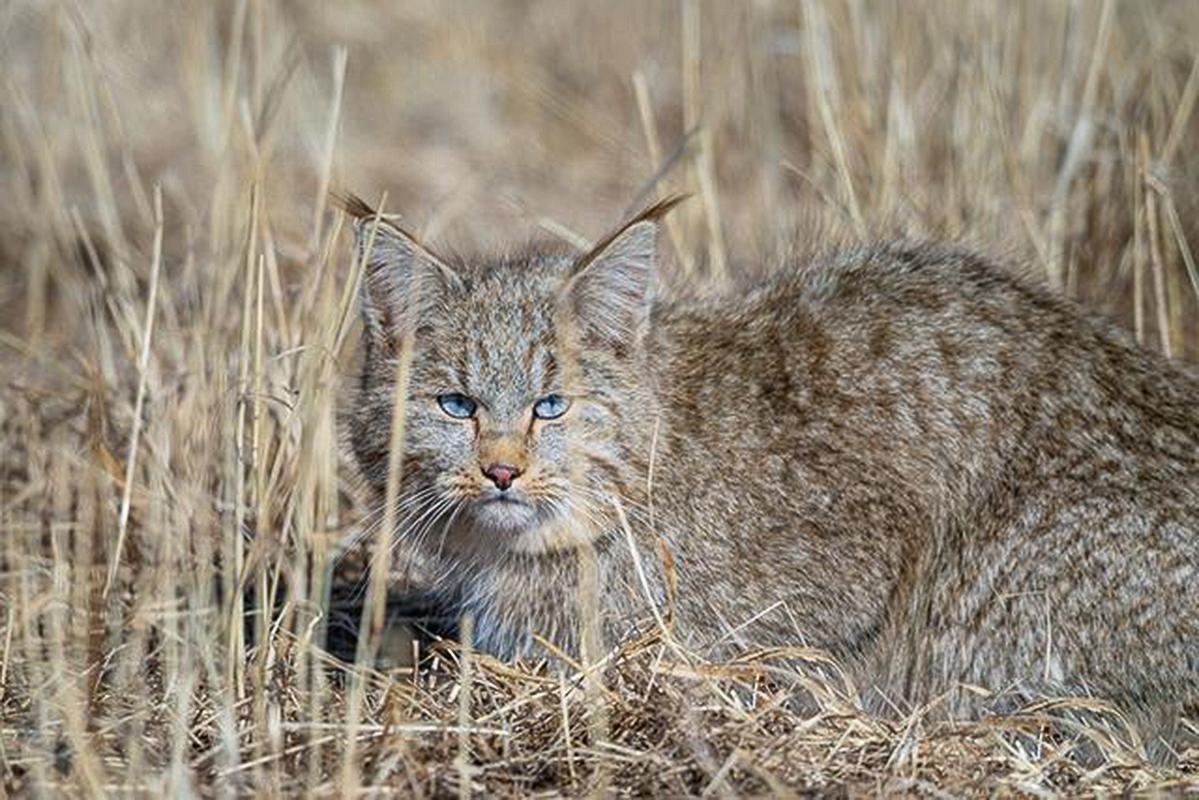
<point>176,319</point>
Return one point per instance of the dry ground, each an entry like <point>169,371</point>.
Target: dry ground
<point>176,320</point>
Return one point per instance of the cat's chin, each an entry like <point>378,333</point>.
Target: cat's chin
<point>504,518</point>
<point>520,527</point>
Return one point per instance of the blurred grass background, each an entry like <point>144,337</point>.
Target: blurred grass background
<point>176,319</point>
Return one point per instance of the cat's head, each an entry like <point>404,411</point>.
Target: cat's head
<point>524,412</point>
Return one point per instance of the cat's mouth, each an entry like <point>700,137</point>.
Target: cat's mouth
<point>493,521</point>
<point>503,498</point>
<point>514,521</point>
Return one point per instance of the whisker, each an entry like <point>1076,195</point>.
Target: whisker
<point>374,518</point>
<point>420,508</point>
<point>445,528</point>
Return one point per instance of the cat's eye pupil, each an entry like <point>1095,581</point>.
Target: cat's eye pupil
<point>550,407</point>
<point>457,405</point>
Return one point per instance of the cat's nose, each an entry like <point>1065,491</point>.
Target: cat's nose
<point>501,475</point>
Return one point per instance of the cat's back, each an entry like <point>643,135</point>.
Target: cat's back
<point>943,321</point>
<point>934,361</point>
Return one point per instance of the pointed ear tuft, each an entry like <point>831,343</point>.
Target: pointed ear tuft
<point>403,283</point>
<point>353,205</point>
<point>612,284</point>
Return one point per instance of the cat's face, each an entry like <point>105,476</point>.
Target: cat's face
<point>522,380</point>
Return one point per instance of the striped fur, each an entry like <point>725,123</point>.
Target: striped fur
<point>903,455</point>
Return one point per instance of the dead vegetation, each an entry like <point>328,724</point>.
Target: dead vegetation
<point>176,317</point>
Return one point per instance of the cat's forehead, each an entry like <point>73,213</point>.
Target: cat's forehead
<point>533,270</point>
<point>499,325</point>
<point>500,292</point>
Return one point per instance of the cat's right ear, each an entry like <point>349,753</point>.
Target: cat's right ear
<point>403,283</point>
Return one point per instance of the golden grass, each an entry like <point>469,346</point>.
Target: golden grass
<point>176,322</point>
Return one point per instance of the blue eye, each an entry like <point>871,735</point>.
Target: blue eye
<point>550,407</point>
<point>456,405</point>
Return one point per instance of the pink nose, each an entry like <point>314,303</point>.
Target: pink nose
<point>501,475</point>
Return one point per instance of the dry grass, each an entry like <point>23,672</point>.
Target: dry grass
<point>176,319</point>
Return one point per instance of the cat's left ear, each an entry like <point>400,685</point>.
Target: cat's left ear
<point>611,286</point>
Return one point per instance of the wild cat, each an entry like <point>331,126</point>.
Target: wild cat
<point>902,454</point>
